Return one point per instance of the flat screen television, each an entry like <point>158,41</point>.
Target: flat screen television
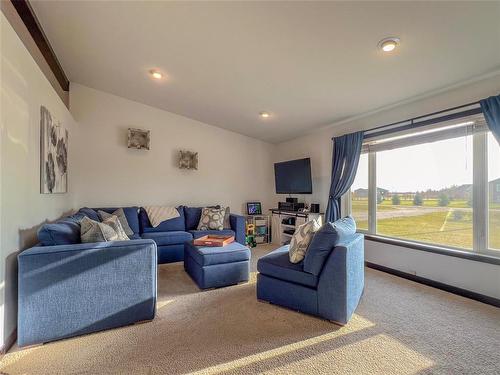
<point>293,177</point>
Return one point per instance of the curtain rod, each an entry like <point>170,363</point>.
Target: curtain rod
<point>411,120</point>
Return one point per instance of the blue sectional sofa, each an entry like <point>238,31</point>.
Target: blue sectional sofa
<point>328,283</point>
<point>169,236</point>
<point>68,288</point>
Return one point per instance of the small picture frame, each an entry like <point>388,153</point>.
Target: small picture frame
<point>254,208</point>
<point>138,139</point>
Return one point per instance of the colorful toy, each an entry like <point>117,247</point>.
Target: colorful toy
<point>250,229</point>
<point>250,240</point>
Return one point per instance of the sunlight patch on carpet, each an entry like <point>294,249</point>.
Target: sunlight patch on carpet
<point>161,304</point>
<point>380,354</point>
<point>360,324</point>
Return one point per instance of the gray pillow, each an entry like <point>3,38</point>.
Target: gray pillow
<point>120,214</point>
<point>301,240</point>
<point>212,218</point>
<point>227,222</point>
<point>93,231</point>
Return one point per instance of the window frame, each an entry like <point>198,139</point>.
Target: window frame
<point>480,185</point>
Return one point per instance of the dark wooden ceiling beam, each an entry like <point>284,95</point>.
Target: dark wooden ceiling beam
<point>28,17</point>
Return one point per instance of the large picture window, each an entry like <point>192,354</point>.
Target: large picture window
<point>425,192</point>
<point>436,185</point>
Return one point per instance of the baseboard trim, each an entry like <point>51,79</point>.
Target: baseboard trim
<point>436,284</point>
<point>11,340</point>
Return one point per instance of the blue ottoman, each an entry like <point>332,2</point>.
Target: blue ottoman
<point>215,267</point>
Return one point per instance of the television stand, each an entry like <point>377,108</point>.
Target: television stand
<point>280,229</point>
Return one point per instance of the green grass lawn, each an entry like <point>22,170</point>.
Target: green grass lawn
<point>362,204</point>
<point>428,203</point>
<point>444,227</point>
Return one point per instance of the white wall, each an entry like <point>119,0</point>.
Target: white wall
<point>483,278</point>
<point>233,168</point>
<point>474,276</point>
<point>24,89</point>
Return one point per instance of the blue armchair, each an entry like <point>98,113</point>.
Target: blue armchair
<point>71,290</point>
<point>328,283</point>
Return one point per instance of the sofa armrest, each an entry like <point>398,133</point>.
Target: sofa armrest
<point>342,280</point>
<point>79,247</point>
<point>70,290</point>
<point>238,226</point>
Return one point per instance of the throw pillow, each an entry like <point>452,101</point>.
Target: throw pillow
<point>94,231</point>
<point>212,218</point>
<point>114,222</point>
<point>120,214</point>
<point>301,240</point>
<point>227,223</point>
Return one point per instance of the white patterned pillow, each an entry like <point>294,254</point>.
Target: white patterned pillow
<point>301,240</point>
<point>212,218</point>
<point>115,223</point>
<point>108,230</point>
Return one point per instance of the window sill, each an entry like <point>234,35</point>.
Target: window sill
<point>474,256</point>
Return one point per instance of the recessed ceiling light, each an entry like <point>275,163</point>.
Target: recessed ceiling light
<point>156,74</point>
<point>388,44</point>
<point>264,114</point>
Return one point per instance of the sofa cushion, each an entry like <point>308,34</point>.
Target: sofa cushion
<point>193,215</point>
<point>201,233</point>
<point>95,231</point>
<point>276,264</point>
<point>168,238</point>
<point>176,224</point>
<point>130,213</point>
<point>212,218</point>
<point>120,214</point>
<point>227,221</point>
<point>65,231</point>
<point>323,242</point>
<point>207,256</point>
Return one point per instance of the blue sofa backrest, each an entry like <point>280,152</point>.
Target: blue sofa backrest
<point>177,224</point>
<point>323,242</point>
<point>193,215</point>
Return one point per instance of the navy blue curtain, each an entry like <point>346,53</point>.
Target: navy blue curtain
<point>346,152</point>
<point>491,110</point>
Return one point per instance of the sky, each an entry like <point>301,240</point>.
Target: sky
<point>428,166</point>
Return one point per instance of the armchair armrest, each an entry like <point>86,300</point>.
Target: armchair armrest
<point>70,290</point>
<point>238,225</point>
<point>342,280</point>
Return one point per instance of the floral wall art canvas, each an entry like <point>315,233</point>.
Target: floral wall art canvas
<point>139,139</point>
<point>53,154</point>
<point>188,160</point>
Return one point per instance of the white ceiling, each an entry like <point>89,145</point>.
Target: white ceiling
<point>308,63</point>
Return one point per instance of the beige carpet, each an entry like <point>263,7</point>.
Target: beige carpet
<point>400,327</point>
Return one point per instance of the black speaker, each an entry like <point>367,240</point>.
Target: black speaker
<point>292,200</point>
<point>315,208</point>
